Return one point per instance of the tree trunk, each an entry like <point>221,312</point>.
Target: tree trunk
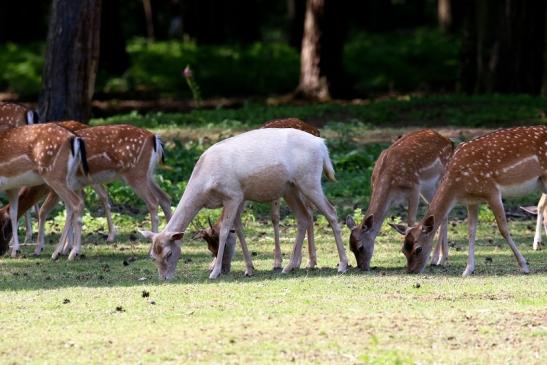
<point>321,71</point>
<point>444,14</point>
<point>313,85</point>
<point>71,60</point>
<point>502,48</point>
<point>149,19</point>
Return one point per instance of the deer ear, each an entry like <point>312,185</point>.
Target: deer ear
<point>147,234</point>
<point>428,224</point>
<point>175,236</point>
<point>400,228</point>
<point>368,222</point>
<point>350,222</point>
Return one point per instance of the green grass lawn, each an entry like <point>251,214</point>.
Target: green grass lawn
<point>100,310</point>
<point>94,311</point>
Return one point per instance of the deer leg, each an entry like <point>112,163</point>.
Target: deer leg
<point>278,259</point>
<point>229,213</point>
<point>103,196</point>
<point>297,207</point>
<point>28,226</point>
<point>163,199</point>
<point>241,236</point>
<point>443,242</point>
<point>472,220</point>
<point>499,212</point>
<point>13,197</point>
<point>146,194</point>
<point>541,221</point>
<point>72,233</point>
<point>312,251</point>
<point>316,197</point>
<point>50,202</point>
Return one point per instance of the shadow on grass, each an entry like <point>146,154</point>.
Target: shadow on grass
<point>105,268</point>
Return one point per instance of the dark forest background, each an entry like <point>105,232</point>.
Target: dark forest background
<point>253,48</point>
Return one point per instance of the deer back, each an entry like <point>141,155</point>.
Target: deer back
<point>403,162</point>
<point>118,147</point>
<point>292,123</point>
<point>15,115</point>
<point>508,160</point>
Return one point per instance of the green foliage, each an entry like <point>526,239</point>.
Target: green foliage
<point>261,68</point>
<point>424,59</point>
<point>21,68</point>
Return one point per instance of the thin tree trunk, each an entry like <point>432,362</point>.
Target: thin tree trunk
<point>444,14</point>
<point>149,19</point>
<point>312,85</point>
<point>502,48</point>
<point>71,60</point>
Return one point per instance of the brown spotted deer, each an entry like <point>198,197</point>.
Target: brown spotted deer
<point>14,115</point>
<point>211,234</point>
<point>507,162</point>
<point>541,212</point>
<point>37,154</point>
<point>411,167</point>
<point>116,151</point>
<point>260,165</point>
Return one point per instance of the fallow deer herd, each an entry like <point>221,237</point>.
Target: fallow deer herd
<point>284,159</point>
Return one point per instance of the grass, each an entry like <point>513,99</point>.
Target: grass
<point>94,311</point>
<point>109,307</point>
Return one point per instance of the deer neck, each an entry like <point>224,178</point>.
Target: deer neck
<point>442,203</point>
<point>380,202</point>
<point>188,207</point>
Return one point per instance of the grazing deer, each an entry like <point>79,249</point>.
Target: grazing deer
<point>116,151</point>
<point>14,115</point>
<point>507,162</point>
<point>37,154</point>
<point>411,167</point>
<point>541,212</point>
<point>260,165</point>
<point>211,235</point>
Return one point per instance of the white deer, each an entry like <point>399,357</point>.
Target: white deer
<point>261,165</point>
<point>411,167</point>
<point>508,162</point>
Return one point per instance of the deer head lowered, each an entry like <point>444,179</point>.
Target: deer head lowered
<point>260,165</point>
<point>411,167</point>
<point>507,162</point>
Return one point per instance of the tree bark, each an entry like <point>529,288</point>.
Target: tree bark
<point>321,71</point>
<point>71,60</point>
<point>502,47</point>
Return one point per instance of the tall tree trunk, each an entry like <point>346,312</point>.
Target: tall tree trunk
<point>313,84</point>
<point>321,72</point>
<point>71,60</point>
<point>444,14</point>
<point>149,19</point>
<point>502,48</point>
